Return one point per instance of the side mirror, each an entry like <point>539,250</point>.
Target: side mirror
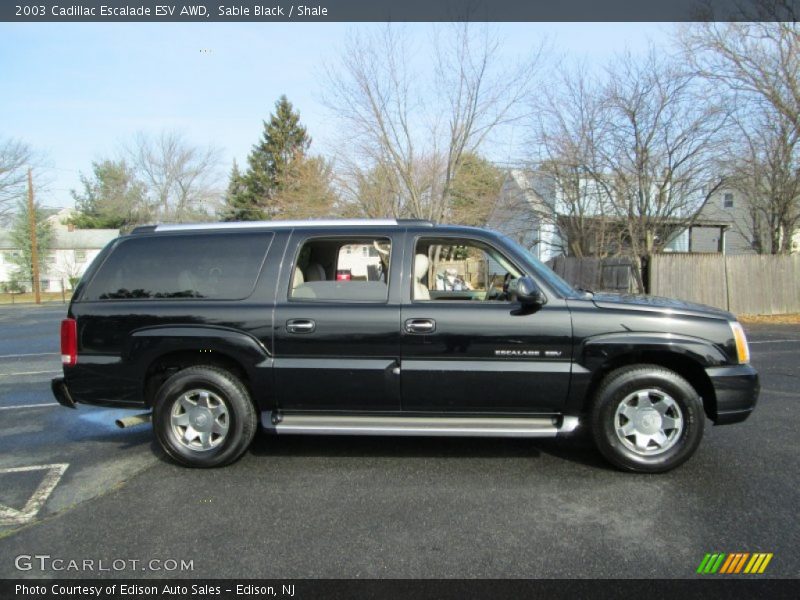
<point>527,292</point>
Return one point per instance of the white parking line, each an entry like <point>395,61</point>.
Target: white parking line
<point>12,516</point>
<point>30,373</point>
<point>33,354</point>
<point>772,341</point>
<point>41,404</point>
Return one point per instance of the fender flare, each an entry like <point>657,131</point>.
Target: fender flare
<point>145,346</point>
<point>595,351</point>
<point>594,354</point>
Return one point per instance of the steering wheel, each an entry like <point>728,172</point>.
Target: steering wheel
<point>494,294</point>
<point>491,292</point>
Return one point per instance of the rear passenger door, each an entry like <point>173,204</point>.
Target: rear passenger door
<point>337,323</point>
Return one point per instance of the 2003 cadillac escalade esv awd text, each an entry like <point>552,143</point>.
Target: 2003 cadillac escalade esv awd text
<point>384,327</point>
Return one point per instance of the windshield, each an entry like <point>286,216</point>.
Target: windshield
<point>542,270</point>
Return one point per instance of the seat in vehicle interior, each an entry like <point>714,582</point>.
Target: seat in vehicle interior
<point>420,270</point>
<point>298,277</point>
<point>315,272</point>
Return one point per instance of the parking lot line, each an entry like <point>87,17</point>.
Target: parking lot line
<point>772,341</point>
<point>41,404</point>
<point>33,354</point>
<point>51,372</point>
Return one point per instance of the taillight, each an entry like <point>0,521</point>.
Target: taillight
<point>69,342</point>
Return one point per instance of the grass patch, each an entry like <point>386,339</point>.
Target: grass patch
<point>787,319</point>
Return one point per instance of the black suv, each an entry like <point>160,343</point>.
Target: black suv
<point>388,327</point>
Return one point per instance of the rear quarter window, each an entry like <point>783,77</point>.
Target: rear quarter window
<point>191,266</point>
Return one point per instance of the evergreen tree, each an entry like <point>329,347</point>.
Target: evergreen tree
<point>238,201</point>
<point>21,238</point>
<point>474,190</point>
<point>112,198</point>
<point>284,141</point>
<point>306,190</point>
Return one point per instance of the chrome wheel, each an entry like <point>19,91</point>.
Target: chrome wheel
<point>648,422</point>
<point>200,420</point>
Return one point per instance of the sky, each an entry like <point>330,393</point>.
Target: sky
<point>75,92</point>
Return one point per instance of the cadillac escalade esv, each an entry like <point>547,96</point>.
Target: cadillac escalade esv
<point>388,327</point>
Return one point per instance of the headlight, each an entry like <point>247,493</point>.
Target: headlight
<point>742,351</point>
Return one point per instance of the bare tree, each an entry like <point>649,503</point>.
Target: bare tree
<point>372,192</point>
<point>759,60</point>
<point>413,128</point>
<point>15,157</point>
<point>757,65</point>
<point>766,170</point>
<point>661,148</point>
<point>180,178</point>
<point>632,154</point>
<point>572,122</point>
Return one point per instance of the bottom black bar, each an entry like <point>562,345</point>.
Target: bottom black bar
<point>416,589</point>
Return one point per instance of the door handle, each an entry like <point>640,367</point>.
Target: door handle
<point>420,326</point>
<point>300,326</point>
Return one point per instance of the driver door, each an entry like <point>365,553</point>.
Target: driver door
<point>468,348</point>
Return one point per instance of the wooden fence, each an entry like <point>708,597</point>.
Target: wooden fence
<point>742,284</point>
<point>619,274</point>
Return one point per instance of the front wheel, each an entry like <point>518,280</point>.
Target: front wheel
<point>647,419</point>
<point>203,417</point>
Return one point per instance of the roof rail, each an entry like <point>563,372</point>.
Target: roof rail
<point>412,222</point>
<point>284,224</point>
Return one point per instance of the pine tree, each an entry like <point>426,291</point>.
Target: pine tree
<point>473,190</point>
<point>21,238</point>
<point>112,198</point>
<point>238,201</point>
<point>284,141</point>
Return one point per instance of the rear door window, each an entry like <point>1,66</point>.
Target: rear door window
<point>191,266</point>
<point>342,270</point>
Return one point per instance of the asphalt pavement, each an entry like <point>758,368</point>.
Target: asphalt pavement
<point>73,487</point>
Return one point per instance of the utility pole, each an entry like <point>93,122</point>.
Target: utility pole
<point>34,242</point>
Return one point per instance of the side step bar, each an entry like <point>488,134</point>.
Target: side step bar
<point>519,427</point>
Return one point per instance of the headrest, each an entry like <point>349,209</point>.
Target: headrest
<point>420,266</point>
<point>298,277</point>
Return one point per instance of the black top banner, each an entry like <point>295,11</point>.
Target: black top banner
<point>399,10</point>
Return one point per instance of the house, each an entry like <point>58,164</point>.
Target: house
<point>532,210</point>
<point>723,224</point>
<point>72,251</point>
<point>525,211</point>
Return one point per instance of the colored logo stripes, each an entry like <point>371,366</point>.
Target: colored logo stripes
<point>736,562</point>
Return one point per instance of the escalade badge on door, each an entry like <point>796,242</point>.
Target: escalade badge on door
<point>528,353</point>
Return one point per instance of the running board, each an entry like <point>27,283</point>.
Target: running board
<point>519,427</point>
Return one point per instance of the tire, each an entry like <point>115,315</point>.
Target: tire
<point>203,417</point>
<point>647,419</point>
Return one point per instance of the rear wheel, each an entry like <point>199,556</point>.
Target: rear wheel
<point>203,417</point>
<point>647,418</point>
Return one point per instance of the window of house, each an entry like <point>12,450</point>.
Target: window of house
<point>50,260</point>
<point>80,255</point>
<point>342,270</point>
<point>454,269</point>
<point>727,201</point>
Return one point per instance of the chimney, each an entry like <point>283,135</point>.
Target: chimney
<point>70,227</point>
